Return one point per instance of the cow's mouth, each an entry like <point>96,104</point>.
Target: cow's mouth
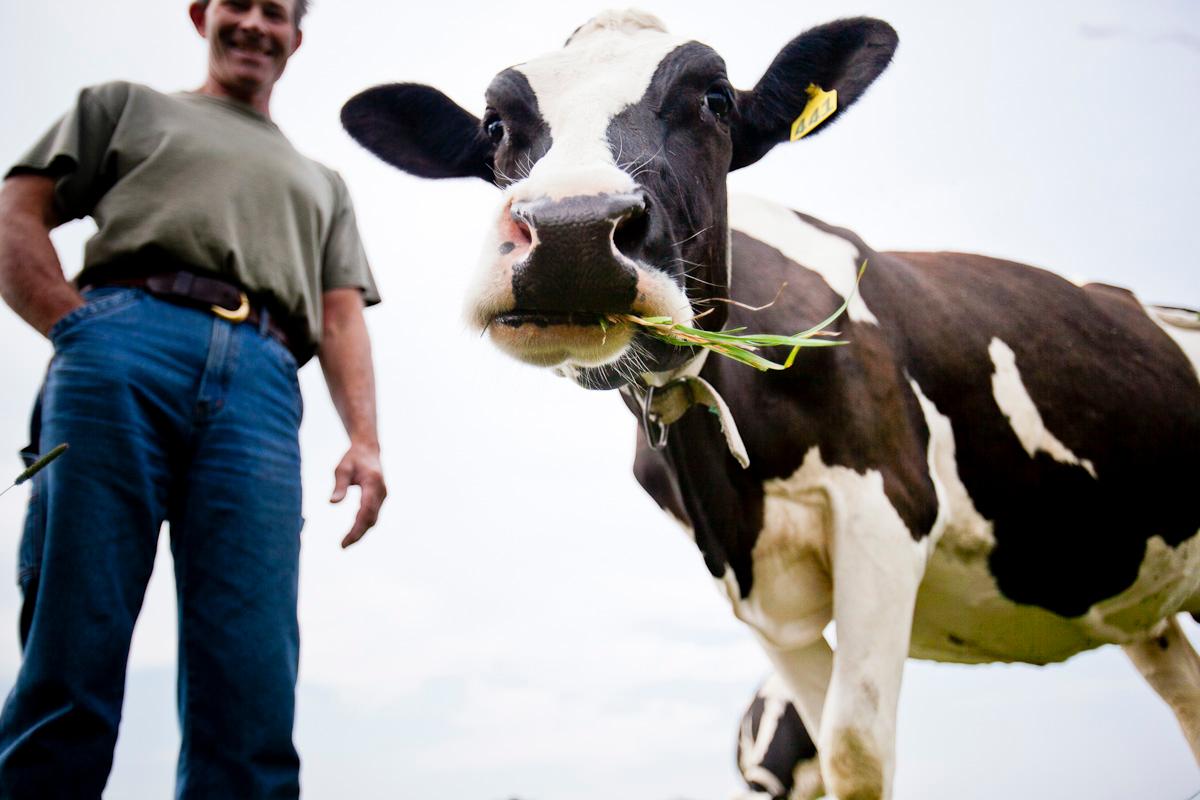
<point>546,319</point>
<point>556,338</point>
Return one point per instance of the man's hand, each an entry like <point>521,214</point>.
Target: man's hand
<point>345,356</point>
<point>360,467</point>
<point>31,278</point>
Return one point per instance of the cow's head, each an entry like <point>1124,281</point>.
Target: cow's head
<point>611,154</point>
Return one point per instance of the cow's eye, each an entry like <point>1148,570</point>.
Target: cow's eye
<point>719,101</point>
<point>494,128</point>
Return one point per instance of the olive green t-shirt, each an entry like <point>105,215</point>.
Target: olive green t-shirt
<point>207,184</point>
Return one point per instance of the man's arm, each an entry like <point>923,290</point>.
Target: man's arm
<point>31,277</point>
<point>345,357</point>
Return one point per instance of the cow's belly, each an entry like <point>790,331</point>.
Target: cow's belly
<point>962,616</point>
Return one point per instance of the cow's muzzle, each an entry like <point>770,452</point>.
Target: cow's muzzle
<point>568,269</point>
<point>579,262</point>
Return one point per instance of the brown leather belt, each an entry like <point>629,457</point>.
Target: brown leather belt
<point>227,300</point>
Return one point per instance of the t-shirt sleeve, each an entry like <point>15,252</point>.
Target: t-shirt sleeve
<point>75,151</point>
<point>345,261</point>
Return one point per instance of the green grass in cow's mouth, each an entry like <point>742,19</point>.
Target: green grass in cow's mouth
<point>735,343</point>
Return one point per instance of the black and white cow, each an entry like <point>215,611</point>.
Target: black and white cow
<point>1001,466</point>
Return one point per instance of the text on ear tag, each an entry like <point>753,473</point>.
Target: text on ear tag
<point>821,105</point>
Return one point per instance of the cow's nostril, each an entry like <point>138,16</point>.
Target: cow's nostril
<point>524,236</point>
<point>630,232</point>
<point>515,230</point>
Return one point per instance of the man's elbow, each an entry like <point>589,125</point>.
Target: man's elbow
<point>27,200</point>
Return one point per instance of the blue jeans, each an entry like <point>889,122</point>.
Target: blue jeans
<point>171,414</point>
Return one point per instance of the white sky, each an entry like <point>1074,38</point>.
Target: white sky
<point>523,622</point>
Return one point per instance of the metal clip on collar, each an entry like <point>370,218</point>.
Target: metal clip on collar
<point>656,429</point>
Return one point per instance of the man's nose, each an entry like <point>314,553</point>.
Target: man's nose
<point>254,19</point>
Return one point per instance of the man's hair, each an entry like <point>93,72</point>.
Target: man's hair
<point>298,14</point>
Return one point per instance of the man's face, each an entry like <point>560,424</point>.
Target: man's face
<point>249,42</point>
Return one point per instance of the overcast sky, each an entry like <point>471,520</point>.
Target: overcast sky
<point>523,621</point>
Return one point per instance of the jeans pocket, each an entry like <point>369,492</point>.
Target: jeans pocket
<point>101,302</point>
<point>287,362</point>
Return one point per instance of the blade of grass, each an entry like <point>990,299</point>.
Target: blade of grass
<point>733,343</point>
<point>38,466</point>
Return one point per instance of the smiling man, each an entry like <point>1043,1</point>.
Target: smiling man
<point>222,261</point>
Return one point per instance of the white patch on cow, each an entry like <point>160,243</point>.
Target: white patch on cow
<point>835,259</point>
<point>961,616</point>
<point>1015,403</point>
<point>605,68</point>
<point>956,510</point>
<point>753,745</point>
<point>791,600</point>
<point>627,21</point>
<point>1168,581</point>
<point>807,783</point>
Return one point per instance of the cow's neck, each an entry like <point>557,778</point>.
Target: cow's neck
<point>723,500</point>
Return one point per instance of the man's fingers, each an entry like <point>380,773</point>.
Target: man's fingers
<point>368,511</point>
<point>341,482</point>
<point>362,523</point>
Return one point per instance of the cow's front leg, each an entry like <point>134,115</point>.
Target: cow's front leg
<point>877,567</point>
<point>806,672</point>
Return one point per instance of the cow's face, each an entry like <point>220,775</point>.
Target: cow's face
<point>611,155</point>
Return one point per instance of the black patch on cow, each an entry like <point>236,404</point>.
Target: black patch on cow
<point>1108,383</point>
<point>507,248</point>
<point>512,101</point>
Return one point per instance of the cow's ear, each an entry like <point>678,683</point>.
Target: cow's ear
<point>845,56</point>
<point>419,130</point>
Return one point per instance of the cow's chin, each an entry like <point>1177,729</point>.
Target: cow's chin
<point>566,342</point>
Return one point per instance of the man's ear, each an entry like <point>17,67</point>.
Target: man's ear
<point>419,130</point>
<point>196,11</point>
<point>846,56</point>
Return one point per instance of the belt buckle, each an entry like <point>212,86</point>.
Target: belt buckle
<point>239,314</point>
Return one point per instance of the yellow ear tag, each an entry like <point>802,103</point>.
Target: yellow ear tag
<point>821,105</point>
